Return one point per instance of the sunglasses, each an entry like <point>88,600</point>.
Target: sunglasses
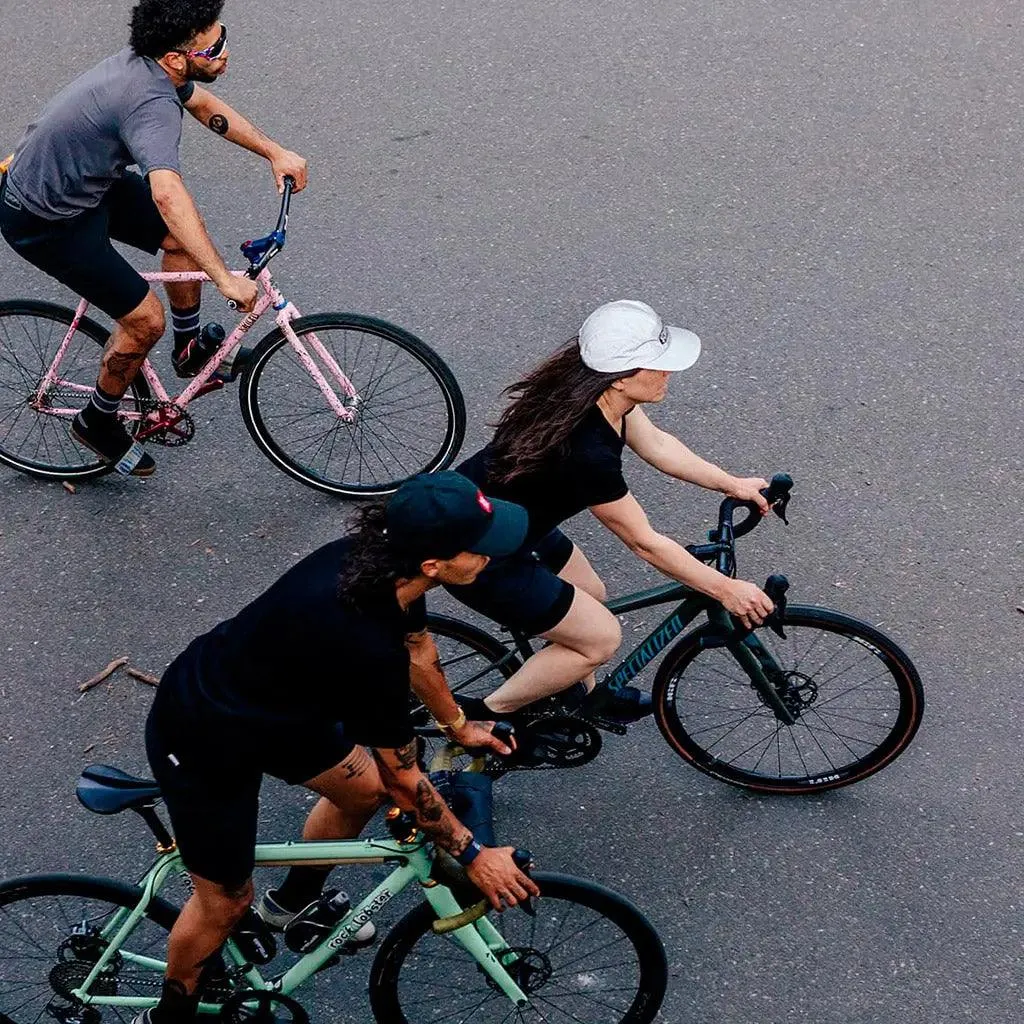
<point>211,52</point>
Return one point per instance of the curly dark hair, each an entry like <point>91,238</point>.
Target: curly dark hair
<point>161,26</point>
<point>547,404</point>
<point>372,566</point>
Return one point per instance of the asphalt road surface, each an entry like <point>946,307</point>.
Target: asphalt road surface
<point>829,194</point>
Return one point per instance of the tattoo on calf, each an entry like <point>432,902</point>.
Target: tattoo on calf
<point>123,367</point>
<point>219,124</point>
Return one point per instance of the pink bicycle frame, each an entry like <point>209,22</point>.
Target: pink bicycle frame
<point>344,407</point>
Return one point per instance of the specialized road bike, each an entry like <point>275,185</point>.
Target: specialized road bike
<point>811,700</point>
<point>347,404</point>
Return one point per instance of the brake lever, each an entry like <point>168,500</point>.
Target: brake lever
<point>775,587</point>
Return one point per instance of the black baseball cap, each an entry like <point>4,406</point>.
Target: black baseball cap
<point>438,515</point>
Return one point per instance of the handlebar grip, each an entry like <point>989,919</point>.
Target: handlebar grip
<point>289,182</point>
<point>776,491</point>
<point>523,860</point>
<point>781,485</point>
<point>444,925</point>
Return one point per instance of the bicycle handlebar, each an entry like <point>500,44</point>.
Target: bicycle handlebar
<point>776,494</point>
<point>260,251</point>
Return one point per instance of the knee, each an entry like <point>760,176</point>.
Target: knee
<point>598,590</point>
<point>172,246</point>
<point>604,641</point>
<point>229,904</point>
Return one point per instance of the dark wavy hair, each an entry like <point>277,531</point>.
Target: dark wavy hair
<point>160,26</point>
<point>546,406</point>
<point>372,567</point>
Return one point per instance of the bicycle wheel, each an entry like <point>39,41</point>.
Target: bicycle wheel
<point>50,940</point>
<point>588,955</point>
<point>856,696</point>
<point>410,415</point>
<point>34,434</point>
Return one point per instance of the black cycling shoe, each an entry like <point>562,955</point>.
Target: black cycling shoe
<point>196,353</point>
<point>628,705</point>
<point>113,444</point>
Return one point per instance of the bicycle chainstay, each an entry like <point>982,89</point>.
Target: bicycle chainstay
<point>174,428</point>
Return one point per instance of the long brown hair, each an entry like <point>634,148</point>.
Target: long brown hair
<point>547,404</point>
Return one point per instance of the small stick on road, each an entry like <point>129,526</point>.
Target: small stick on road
<point>100,676</point>
<point>143,677</point>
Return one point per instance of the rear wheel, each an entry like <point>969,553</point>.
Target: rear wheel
<point>587,955</point>
<point>51,938</point>
<point>856,697</point>
<point>34,424</point>
<point>410,416</point>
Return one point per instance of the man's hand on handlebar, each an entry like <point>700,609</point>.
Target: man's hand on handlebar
<point>748,602</point>
<point>242,291</point>
<point>495,874</point>
<point>286,164</point>
<point>749,489</point>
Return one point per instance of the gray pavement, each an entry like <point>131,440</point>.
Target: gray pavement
<point>829,195</point>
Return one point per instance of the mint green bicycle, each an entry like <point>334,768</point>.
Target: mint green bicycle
<point>78,949</point>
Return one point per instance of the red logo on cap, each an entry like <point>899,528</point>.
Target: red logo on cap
<point>482,501</point>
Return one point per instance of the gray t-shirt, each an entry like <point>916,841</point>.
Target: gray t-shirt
<point>124,111</point>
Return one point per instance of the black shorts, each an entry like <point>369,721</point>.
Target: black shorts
<point>210,767</point>
<point>77,250</point>
<point>524,590</point>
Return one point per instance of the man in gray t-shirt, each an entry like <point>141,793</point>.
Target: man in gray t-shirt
<point>67,192</point>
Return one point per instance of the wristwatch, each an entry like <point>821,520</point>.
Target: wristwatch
<point>469,854</point>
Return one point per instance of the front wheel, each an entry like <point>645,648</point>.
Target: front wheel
<point>588,955</point>
<point>409,414</point>
<point>856,697</point>
<point>54,928</point>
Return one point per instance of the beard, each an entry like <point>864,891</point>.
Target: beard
<point>196,74</point>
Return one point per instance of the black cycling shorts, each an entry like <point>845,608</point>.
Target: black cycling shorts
<point>524,590</point>
<point>77,250</point>
<point>210,767</point>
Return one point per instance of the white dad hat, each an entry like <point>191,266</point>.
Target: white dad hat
<point>629,335</point>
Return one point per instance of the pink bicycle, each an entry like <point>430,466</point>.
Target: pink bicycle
<point>348,404</point>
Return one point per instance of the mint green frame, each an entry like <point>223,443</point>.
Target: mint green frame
<point>481,940</point>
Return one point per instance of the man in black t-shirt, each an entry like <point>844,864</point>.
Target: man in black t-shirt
<point>318,664</point>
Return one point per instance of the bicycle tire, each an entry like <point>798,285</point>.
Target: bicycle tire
<point>267,425</point>
<point>679,706</point>
<point>80,463</point>
<point>22,929</point>
<point>651,966</point>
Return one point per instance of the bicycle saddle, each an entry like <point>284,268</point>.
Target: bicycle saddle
<point>104,789</point>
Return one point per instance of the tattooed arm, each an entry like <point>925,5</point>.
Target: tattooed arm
<point>493,871</point>
<point>413,791</point>
<point>426,677</point>
<point>224,120</point>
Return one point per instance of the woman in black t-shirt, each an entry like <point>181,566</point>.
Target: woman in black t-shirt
<point>558,450</point>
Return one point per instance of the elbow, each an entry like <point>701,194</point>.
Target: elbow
<point>644,546</point>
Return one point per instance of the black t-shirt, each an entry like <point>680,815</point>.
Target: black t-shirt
<point>590,474</point>
<point>298,654</point>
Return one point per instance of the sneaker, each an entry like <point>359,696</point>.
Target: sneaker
<point>628,705</point>
<point>278,918</point>
<point>196,353</point>
<point>113,444</point>
<point>144,1017</point>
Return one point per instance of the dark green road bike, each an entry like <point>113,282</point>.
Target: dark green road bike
<point>811,700</point>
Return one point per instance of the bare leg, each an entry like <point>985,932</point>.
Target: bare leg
<point>580,573</point>
<point>130,342</point>
<point>204,923</point>
<point>180,294</point>
<point>585,639</point>
<point>350,794</point>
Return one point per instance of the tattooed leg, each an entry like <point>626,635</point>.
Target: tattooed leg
<point>131,340</point>
<point>204,923</point>
<point>351,792</point>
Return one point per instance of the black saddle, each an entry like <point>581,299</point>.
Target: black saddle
<point>107,790</point>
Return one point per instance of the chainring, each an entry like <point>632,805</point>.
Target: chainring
<point>174,428</point>
<point>262,1007</point>
<point>551,741</point>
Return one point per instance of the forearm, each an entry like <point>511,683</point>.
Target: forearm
<point>428,683</point>
<point>412,791</point>
<point>675,561</point>
<point>186,225</point>
<point>675,459</point>
<point>224,120</point>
